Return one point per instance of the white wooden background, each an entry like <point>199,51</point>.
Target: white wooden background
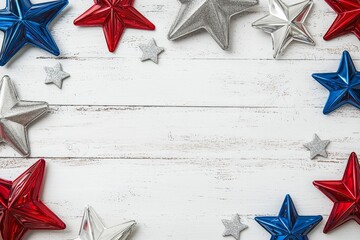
<point>180,145</point>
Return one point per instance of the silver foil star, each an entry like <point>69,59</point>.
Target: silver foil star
<point>211,15</point>
<point>317,147</point>
<point>16,116</point>
<point>55,75</point>
<point>286,24</point>
<point>93,229</point>
<point>151,51</point>
<point>233,227</point>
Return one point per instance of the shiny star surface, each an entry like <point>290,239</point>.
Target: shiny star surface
<point>16,116</point>
<point>114,16</point>
<point>151,51</point>
<point>288,224</point>
<point>25,23</point>
<point>343,85</point>
<point>210,15</point>
<point>21,209</point>
<point>286,24</point>
<point>345,194</point>
<point>233,227</point>
<point>317,147</point>
<point>93,229</point>
<point>55,75</point>
<point>347,20</point>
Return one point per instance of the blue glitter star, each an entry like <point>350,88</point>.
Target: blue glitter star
<point>289,225</point>
<point>343,85</point>
<point>25,23</point>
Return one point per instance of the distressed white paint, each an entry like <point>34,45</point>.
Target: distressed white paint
<point>180,145</point>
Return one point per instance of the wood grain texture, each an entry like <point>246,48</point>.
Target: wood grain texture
<point>180,145</point>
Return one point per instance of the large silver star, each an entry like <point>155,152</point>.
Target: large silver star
<point>151,51</point>
<point>317,147</point>
<point>55,75</point>
<point>93,229</point>
<point>16,116</point>
<point>211,15</point>
<point>286,24</point>
<point>233,227</point>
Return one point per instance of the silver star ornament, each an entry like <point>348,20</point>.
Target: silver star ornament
<point>233,227</point>
<point>16,116</point>
<point>92,228</point>
<point>285,23</point>
<point>55,75</point>
<point>317,147</point>
<point>151,51</point>
<point>210,15</point>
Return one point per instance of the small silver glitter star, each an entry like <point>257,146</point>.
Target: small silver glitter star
<point>55,75</point>
<point>233,227</point>
<point>317,147</point>
<point>151,51</point>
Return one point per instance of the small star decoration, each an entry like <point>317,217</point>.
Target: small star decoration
<point>317,147</point>
<point>151,51</point>
<point>233,227</point>
<point>92,228</point>
<point>55,75</point>
<point>343,85</point>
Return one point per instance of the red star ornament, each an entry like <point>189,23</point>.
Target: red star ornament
<point>20,207</point>
<point>347,20</point>
<point>114,16</point>
<point>345,194</point>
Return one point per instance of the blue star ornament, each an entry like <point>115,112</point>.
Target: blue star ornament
<point>289,225</point>
<point>25,23</point>
<point>343,85</point>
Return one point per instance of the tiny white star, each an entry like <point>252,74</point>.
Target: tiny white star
<point>151,51</point>
<point>233,227</point>
<point>317,147</point>
<point>55,75</point>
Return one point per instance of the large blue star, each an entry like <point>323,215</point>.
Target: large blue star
<point>25,23</point>
<point>343,85</point>
<point>289,225</point>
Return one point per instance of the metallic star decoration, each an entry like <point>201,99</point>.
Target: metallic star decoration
<point>347,20</point>
<point>286,24</point>
<point>114,16</point>
<point>55,75</point>
<point>288,224</point>
<point>151,51</point>
<point>21,209</point>
<point>343,85</point>
<point>317,147</point>
<point>211,15</point>
<point>345,194</point>
<point>25,23</point>
<point>93,229</point>
<point>233,227</point>
<point>16,116</point>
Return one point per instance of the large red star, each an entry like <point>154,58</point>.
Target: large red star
<point>114,16</point>
<point>348,19</point>
<point>20,207</point>
<point>345,194</point>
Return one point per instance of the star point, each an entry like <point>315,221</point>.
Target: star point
<point>113,16</point>
<point>317,147</point>
<point>92,228</point>
<point>289,224</point>
<point>345,194</point>
<point>285,23</point>
<point>151,51</point>
<point>25,23</point>
<point>233,227</point>
<point>16,116</point>
<point>343,85</point>
<point>210,15</point>
<point>55,75</point>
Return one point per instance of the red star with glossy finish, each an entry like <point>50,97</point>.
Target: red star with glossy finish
<point>348,19</point>
<point>345,194</point>
<point>114,16</point>
<point>20,207</point>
